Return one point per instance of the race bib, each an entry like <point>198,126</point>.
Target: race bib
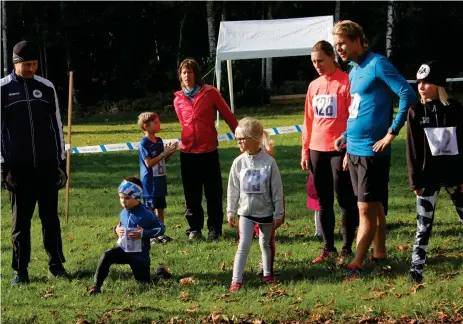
<point>325,106</point>
<point>253,180</point>
<point>127,244</point>
<point>442,140</point>
<point>354,106</point>
<point>159,170</point>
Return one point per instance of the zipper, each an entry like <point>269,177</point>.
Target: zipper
<point>31,124</point>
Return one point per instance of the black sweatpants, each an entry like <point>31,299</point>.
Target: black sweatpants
<point>140,268</point>
<point>23,203</point>
<point>202,170</point>
<point>328,177</point>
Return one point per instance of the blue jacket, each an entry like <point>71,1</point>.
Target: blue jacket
<point>152,227</point>
<point>31,128</point>
<point>373,82</point>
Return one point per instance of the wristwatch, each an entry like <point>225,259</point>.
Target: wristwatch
<point>163,155</point>
<point>392,131</point>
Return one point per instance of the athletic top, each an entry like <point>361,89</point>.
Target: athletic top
<point>326,112</point>
<point>373,80</point>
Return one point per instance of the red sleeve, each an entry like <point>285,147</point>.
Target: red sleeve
<point>177,110</point>
<point>224,111</point>
<point>307,127</point>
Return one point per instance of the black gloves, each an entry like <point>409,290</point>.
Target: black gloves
<point>62,176</point>
<point>7,179</point>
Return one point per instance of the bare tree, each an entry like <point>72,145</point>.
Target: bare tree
<point>269,66</point>
<point>390,26</point>
<point>211,28</point>
<point>180,37</point>
<point>4,40</point>
<point>337,11</point>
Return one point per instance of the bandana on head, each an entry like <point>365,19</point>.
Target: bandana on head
<point>131,189</point>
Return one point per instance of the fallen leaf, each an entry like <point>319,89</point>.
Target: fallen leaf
<point>184,252</point>
<point>222,266</point>
<point>187,281</point>
<point>193,309</point>
<point>398,295</point>
<point>82,321</point>
<point>387,268</point>
<point>378,293</point>
<point>258,322</point>
<point>285,225</point>
<point>69,238</point>
<point>415,288</point>
<point>108,300</point>
<point>402,248</point>
<point>288,254</point>
<point>368,298</point>
<point>214,282</point>
<point>299,235</point>
<point>184,296</point>
<point>231,300</point>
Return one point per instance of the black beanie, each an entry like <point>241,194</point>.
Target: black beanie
<point>432,72</point>
<point>25,51</point>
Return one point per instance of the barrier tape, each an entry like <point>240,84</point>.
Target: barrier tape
<point>131,146</point>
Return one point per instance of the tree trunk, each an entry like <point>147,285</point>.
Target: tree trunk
<point>40,49</point>
<point>268,70</point>
<point>390,27</point>
<point>45,58</point>
<point>262,76</point>
<point>224,10</point>
<point>180,38</point>
<point>211,28</point>
<point>4,40</point>
<point>337,11</point>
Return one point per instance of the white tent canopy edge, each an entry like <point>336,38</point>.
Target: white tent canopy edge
<point>253,39</point>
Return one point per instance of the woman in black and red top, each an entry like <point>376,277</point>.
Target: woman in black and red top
<point>434,155</point>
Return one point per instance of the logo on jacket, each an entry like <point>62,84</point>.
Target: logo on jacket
<point>37,93</point>
<point>423,71</point>
<point>13,94</point>
<point>424,120</point>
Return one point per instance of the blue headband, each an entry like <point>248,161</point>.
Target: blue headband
<point>131,189</point>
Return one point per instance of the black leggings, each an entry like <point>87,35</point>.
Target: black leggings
<point>140,269</point>
<point>328,177</point>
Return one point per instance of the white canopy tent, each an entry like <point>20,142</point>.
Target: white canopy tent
<point>252,39</point>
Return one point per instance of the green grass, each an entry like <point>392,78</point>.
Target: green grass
<point>306,292</point>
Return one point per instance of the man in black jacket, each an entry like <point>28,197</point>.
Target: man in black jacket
<point>32,159</point>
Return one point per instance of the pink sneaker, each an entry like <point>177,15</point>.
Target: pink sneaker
<point>269,280</point>
<point>235,286</point>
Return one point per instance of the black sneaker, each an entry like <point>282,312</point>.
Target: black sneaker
<point>20,278</point>
<point>59,272</point>
<point>195,235</point>
<point>212,236</point>
<point>415,276</point>
<point>94,290</point>
<point>162,272</point>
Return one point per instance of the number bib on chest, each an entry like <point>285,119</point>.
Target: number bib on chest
<point>354,105</point>
<point>442,140</point>
<point>159,170</point>
<point>127,244</point>
<point>325,106</point>
<point>253,180</point>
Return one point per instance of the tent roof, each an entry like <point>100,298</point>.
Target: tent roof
<point>272,38</point>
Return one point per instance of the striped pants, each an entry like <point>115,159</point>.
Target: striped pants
<point>425,208</point>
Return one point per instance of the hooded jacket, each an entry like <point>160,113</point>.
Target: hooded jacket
<point>435,144</point>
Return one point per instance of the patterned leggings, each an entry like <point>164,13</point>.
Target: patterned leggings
<point>425,208</point>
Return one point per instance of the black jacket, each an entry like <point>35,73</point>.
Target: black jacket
<point>31,127</point>
<point>435,144</point>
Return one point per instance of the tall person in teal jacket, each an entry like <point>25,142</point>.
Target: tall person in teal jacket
<point>370,130</point>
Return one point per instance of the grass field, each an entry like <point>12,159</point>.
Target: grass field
<point>312,293</point>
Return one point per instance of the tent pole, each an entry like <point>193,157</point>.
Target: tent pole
<point>230,85</point>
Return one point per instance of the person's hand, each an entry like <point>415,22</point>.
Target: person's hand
<point>277,222</point>
<point>418,192</point>
<point>231,221</point>
<point>345,165</point>
<point>305,165</point>
<point>170,149</point>
<point>136,235</point>
<point>381,145</point>
<point>339,142</point>
<point>119,230</point>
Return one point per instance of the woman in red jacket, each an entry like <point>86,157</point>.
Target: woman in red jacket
<point>196,106</point>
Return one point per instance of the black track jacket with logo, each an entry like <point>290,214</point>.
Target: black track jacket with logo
<point>31,127</point>
<point>435,144</point>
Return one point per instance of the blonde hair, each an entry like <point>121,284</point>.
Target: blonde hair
<point>145,118</point>
<point>252,128</point>
<point>350,29</point>
<point>443,96</point>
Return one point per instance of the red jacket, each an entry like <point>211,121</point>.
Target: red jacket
<point>198,119</point>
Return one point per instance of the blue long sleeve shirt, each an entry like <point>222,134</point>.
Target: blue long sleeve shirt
<point>373,82</point>
<point>152,227</point>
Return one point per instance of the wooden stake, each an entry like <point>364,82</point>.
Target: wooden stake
<point>68,153</point>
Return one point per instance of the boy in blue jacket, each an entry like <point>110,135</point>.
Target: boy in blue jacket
<point>137,225</point>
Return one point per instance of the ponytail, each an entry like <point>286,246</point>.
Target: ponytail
<point>267,143</point>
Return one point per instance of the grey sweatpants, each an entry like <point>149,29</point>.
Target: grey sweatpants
<point>246,230</point>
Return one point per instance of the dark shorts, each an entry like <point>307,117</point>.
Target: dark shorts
<point>157,202</point>
<point>370,177</point>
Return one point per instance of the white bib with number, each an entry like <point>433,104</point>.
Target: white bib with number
<point>354,105</point>
<point>325,106</point>
<point>253,180</point>
<point>442,140</point>
<point>127,244</point>
<point>159,170</point>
